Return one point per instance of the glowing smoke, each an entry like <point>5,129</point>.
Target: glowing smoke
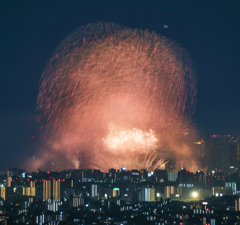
<point>105,75</point>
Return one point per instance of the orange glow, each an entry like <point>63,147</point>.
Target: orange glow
<point>104,77</point>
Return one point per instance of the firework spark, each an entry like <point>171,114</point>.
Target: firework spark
<point>147,161</point>
<point>106,74</point>
<point>134,140</point>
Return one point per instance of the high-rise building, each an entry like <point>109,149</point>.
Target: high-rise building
<point>3,193</point>
<point>8,181</point>
<point>94,190</point>
<point>237,204</point>
<point>56,190</point>
<point>184,177</point>
<point>30,191</point>
<point>199,148</point>
<point>146,194</point>
<point>161,175</point>
<point>47,190</point>
<point>78,201</point>
<point>32,184</point>
<point>172,176</point>
<point>224,152</point>
<point>169,190</point>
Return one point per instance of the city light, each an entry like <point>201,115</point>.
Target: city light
<point>195,194</point>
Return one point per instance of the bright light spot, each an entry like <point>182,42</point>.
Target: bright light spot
<point>194,194</point>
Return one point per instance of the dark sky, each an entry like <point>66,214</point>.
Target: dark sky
<point>31,30</point>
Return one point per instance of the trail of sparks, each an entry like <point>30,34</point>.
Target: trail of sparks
<point>147,161</point>
<point>106,74</point>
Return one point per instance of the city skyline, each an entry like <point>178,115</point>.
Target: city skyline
<point>31,32</point>
<point>132,197</point>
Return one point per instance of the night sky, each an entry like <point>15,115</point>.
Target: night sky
<point>31,30</point>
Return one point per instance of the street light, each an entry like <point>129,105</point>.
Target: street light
<point>194,194</point>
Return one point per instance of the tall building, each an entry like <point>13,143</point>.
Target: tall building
<point>161,176</point>
<point>146,194</point>
<point>47,190</point>
<point>200,150</point>
<point>8,181</point>
<point>3,193</point>
<point>32,184</point>
<point>169,190</point>
<point>224,152</point>
<point>56,190</point>
<point>184,177</point>
<point>94,190</point>
<point>51,190</point>
<point>30,191</point>
<point>237,204</point>
<point>172,176</point>
<point>78,201</point>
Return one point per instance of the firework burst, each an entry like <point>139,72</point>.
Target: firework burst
<point>134,140</point>
<point>106,74</point>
